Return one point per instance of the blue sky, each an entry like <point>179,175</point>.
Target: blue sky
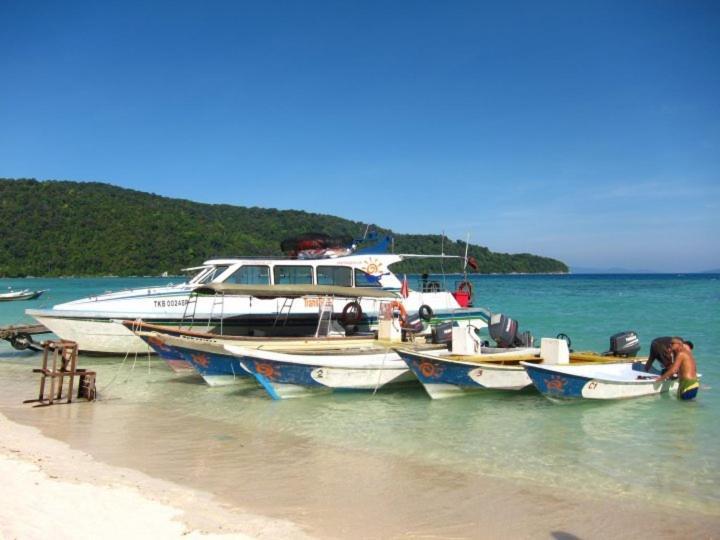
<point>586,131</point>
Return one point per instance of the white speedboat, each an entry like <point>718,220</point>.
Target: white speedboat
<point>257,296</point>
<point>25,294</point>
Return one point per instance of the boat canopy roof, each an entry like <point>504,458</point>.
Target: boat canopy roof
<point>293,291</point>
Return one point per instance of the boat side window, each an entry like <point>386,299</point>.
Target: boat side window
<point>363,279</point>
<point>334,275</point>
<point>214,274</point>
<point>250,275</point>
<point>292,275</point>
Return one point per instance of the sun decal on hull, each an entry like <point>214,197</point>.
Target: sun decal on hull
<point>556,384</point>
<point>429,370</point>
<point>266,370</point>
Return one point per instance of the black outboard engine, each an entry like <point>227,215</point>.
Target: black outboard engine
<point>442,333</point>
<point>503,330</point>
<point>624,344</point>
<point>525,339</point>
<point>414,323</point>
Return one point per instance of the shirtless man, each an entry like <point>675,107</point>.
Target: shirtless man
<point>684,365</point>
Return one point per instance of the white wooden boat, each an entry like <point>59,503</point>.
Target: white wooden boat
<point>25,294</point>
<point>446,374</point>
<point>205,353</point>
<point>297,373</point>
<point>597,381</point>
<point>256,296</point>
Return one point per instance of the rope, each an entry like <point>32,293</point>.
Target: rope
<point>122,364</point>
<point>382,366</point>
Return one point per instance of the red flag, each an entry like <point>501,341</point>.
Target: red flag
<point>405,289</point>
<point>472,263</point>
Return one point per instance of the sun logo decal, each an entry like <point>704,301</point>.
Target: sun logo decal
<point>372,267</point>
<point>429,370</point>
<point>266,370</point>
<point>556,384</point>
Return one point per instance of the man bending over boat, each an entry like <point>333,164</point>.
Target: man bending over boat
<point>684,365</point>
<point>660,349</point>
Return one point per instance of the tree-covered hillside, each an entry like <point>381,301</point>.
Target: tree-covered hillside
<point>71,228</point>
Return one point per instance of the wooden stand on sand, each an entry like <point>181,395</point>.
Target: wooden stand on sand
<point>64,366</point>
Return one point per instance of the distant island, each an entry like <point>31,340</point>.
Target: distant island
<point>62,228</point>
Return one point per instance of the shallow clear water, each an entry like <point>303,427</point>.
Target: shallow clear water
<point>645,448</point>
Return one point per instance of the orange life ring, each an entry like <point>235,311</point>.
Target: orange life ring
<point>395,304</point>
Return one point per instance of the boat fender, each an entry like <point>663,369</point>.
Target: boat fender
<point>21,341</point>
<point>566,338</point>
<point>351,313</point>
<point>425,312</point>
<point>466,285</point>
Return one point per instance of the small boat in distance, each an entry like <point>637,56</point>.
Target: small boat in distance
<point>25,294</point>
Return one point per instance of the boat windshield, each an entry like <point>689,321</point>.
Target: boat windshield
<point>208,274</point>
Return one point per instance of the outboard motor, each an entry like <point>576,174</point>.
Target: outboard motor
<point>525,339</point>
<point>624,344</point>
<point>414,323</point>
<point>442,333</point>
<point>503,330</point>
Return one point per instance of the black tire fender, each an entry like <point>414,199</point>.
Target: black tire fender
<point>425,312</point>
<point>351,313</point>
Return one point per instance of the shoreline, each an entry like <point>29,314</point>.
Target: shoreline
<point>50,489</point>
<point>42,472</point>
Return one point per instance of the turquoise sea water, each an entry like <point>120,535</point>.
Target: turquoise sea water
<point>645,448</point>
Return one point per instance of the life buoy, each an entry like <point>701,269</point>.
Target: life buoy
<point>425,312</point>
<point>466,286</point>
<point>399,306</point>
<point>351,313</point>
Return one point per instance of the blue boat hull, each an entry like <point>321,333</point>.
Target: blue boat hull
<point>216,369</point>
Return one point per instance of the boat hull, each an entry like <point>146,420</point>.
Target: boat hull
<point>609,382</point>
<point>24,295</point>
<point>445,378</point>
<point>288,375</point>
<point>216,369</point>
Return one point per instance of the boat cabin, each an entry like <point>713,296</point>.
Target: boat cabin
<point>348,271</point>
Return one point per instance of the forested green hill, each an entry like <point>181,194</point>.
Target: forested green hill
<point>54,228</point>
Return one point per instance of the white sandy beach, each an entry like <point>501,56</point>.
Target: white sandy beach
<point>50,490</point>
